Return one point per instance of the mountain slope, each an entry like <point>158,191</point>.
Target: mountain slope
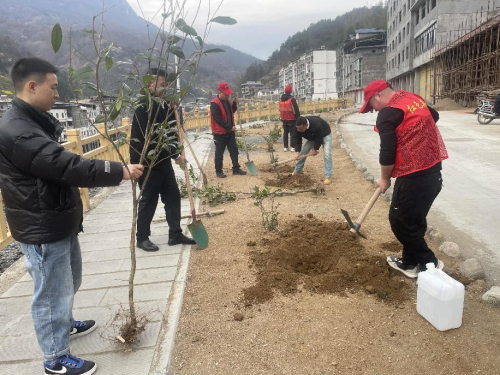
<point>329,33</point>
<point>29,23</point>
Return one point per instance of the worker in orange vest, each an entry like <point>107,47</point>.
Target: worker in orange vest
<point>289,113</point>
<point>411,151</point>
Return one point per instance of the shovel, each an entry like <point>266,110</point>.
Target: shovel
<point>198,231</point>
<point>356,225</point>
<point>252,168</point>
<point>276,164</point>
<point>203,175</point>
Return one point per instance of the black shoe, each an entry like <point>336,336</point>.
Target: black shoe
<point>181,240</point>
<point>239,171</point>
<point>220,174</point>
<point>409,270</point>
<point>147,245</point>
<point>82,328</point>
<point>71,365</point>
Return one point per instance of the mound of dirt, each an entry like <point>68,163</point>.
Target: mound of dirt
<point>321,257</point>
<point>447,104</point>
<point>287,181</point>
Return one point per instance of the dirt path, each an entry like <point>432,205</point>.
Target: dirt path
<point>311,299</point>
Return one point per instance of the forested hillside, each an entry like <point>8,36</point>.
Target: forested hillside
<point>328,32</point>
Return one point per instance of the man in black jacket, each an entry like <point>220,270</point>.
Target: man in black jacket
<point>39,180</point>
<point>289,113</point>
<point>318,133</point>
<point>161,181</point>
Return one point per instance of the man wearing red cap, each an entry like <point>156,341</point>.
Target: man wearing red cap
<point>289,113</point>
<point>224,129</point>
<point>411,150</point>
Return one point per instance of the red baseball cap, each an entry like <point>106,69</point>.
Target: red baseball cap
<point>224,88</point>
<point>288,89</point>
<point>371,89</point>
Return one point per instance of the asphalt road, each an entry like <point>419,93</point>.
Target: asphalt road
<point>468,209</point>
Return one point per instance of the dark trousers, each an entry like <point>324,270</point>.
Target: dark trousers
<point>288,129</point>
<point>161,182</point>
<point>411,201</point>
<point>221,142</point>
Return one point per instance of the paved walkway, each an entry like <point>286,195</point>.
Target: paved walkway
<point>468,209</point>
<point>159,281</point>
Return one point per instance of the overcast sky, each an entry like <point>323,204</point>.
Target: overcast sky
<point>262,24</point>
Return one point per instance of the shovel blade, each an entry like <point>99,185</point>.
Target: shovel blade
<point>199,233</point>
<point>252,168</point>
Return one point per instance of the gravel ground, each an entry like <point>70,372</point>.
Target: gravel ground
<point>13,251</point>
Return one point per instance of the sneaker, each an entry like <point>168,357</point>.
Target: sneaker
<point>82,328</point>
<point>285,149</point>
<point>292,149</point>
<point>327,181</point>
<point>220,174</point>
<point>438,263</point>
<point>71,365</point>
<point>239,171</point>
<point>407,269</point>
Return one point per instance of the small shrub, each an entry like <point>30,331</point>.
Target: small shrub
<point>271,213</point>
<point>214,195</point>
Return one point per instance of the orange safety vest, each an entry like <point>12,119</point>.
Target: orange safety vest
<point>420,145</point>
<point>216,128</point>
<point>286,111</point>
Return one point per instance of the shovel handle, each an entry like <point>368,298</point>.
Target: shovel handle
<point>368,206</point>
<point>289,160</point>
<point>204,176</point>
<point>242,136</point>
<point>186,173</point>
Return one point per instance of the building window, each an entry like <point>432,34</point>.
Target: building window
<point>404,10</point>
<point>399,59</point>
<point>433,4</point>
<point>404,32</point>
<point>423,12</point>
<point>400,18</point>
<point>399,38</point>
<point>426,40</point>
<point>407,52</point>
<point>403,56</point>
<point>408,28</point>
<point>417,15</point>
<point>57,115</point>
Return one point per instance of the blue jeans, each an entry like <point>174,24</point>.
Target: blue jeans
<point>327,155</point>
<point>56,269</point>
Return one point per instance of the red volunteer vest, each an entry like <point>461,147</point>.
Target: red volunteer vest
<point>420,145</point>
<point>286,110</point>
<point>216,128</point>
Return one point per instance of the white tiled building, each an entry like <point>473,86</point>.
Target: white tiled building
<point>312,75</point>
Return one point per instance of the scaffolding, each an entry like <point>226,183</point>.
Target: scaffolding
<point>469,65</point>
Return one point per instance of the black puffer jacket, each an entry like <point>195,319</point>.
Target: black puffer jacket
<point>39,179</point>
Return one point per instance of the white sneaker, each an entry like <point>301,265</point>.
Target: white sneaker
<point>285,149</point>
<point>292,149</point>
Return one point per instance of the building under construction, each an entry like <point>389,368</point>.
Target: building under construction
<point>468,68</point>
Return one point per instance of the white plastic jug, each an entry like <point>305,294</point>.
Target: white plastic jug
<point>440,298</point>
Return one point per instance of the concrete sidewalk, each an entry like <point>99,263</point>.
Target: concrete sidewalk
<point>159,281</point>
<point>468,209</point>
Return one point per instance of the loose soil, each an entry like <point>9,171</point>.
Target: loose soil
<point>447,104</point>
<point>312,299</point>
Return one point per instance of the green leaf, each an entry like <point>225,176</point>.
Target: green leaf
<point>177,51</point>
<point>148,78</point>
<point>224,20</point>
<point>171,77</point>
<point>108,62</point>
<point>70,72</point>
<point>184,91</point>
<point>214,50</point>
<point>7,92</point>
<point>113,114</point>
<point>56,37</point>
<point>89,31</point>
<point>99,119</point>
<point>192,69</point>
<point>185,28</point>
<point>108,49</point>
<point>78,91</point>
<point>166,15</point>
<point>90,86</point>
<point>174,39</point>
<point>83,73</point>
<point>118,104</point>
<point>200,40</point>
